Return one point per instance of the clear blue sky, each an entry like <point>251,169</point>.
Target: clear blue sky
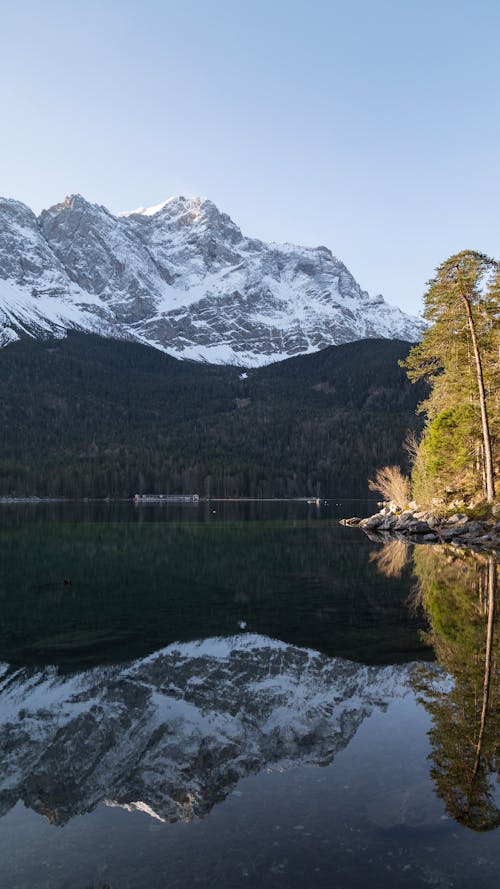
<point>370,126</point>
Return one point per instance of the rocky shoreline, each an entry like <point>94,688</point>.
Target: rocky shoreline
<point>420,526</point>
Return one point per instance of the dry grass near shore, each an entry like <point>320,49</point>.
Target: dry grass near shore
<point>392,484</point>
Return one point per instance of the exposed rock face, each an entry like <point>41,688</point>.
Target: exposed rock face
<point>36,294</point>
<point>181,277</point>
<point>172,734</point>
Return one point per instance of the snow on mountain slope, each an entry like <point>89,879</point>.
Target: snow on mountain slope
<point>36,295</point>
<point>182,277</point>
<point>173,733</point>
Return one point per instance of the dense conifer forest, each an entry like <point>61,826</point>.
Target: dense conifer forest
<point>92,417</point>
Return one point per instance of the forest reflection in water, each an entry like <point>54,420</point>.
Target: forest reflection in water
<point>458,590</point>
<point>193,677</point>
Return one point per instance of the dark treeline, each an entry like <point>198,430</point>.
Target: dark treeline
<point>89,417</point>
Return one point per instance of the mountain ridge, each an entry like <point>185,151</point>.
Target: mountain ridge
<point>182,277</point>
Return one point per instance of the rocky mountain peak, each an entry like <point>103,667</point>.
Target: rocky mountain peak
<point>73,202</point>
<point>182,277</point>
<point>179,213</point>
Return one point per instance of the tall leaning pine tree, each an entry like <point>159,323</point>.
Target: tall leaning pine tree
<point>458,350</point>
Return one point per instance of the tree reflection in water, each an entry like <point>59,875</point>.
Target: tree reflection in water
<point>458,591</point>
<point>391,559</point>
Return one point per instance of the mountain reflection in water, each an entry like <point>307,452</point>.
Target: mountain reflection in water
<point>127,698</point>
<point>174,732</point>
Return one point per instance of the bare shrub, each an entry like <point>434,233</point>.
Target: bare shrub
<point>392,484</point>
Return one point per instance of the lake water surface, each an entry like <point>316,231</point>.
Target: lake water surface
<point>232,695</point>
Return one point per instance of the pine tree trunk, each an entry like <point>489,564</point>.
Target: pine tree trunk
<point>492,576</point>
<point>488,456</point>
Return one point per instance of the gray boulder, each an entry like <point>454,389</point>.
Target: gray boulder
<point>472,528</point>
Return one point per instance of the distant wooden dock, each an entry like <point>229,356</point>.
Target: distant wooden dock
<point>140,499</point>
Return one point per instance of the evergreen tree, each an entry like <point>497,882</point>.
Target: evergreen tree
<point>458,355</point>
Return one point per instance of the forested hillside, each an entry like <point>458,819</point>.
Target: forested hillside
<point>91,417</point>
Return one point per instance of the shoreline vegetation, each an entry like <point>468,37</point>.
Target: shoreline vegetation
<point>452,493</point>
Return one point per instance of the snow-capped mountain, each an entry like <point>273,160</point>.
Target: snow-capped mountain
<point>173,733</point>
<point>181,277</point>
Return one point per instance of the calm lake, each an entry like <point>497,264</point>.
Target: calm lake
<point>249,694</point>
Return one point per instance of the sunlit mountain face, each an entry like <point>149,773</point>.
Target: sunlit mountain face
<point>181,277</point>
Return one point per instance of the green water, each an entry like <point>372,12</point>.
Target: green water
<point>242,694</point>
